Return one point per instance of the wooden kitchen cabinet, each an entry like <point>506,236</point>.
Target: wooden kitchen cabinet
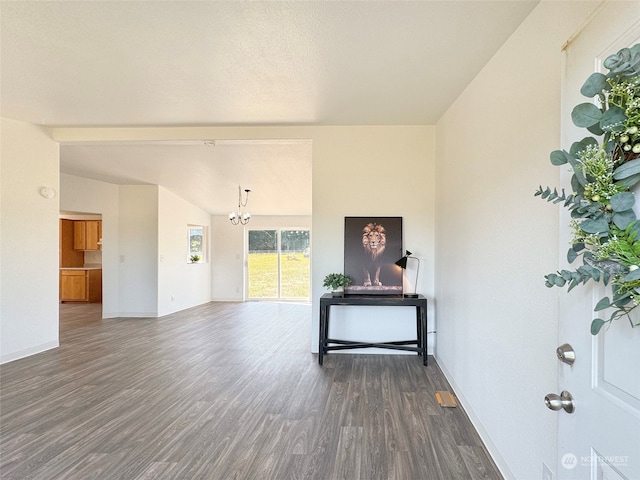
<point>74,286</point>
<point>87,234</point>
<point>81,285</point>
<point>69,257</point>
<point>95,286</point>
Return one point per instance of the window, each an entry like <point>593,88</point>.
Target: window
<point>278,264</point>
<point>196,242</point>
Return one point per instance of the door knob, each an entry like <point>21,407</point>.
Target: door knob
<point>564,401</point>
<point>566,354</point>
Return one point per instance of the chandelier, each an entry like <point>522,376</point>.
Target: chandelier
<point>237,217</point>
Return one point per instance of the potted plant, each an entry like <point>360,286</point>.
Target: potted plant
<point>336,282</point>
<point>195,258</point>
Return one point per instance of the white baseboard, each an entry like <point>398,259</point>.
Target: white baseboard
<point>130,315</point>
<point>484,435</point>
<point>27,352</point>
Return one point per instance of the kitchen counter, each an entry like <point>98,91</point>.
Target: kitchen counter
<point>80,268</point>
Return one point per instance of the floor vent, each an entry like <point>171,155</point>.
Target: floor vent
<point>446,399</point>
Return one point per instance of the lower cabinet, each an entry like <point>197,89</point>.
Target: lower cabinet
<point>81,286</point>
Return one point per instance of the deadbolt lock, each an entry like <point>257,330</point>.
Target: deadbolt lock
<point>566,354</point>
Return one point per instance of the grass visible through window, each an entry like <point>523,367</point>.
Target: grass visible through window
<point>263,272</point>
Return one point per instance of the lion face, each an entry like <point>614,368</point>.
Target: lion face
<point>374,239</point>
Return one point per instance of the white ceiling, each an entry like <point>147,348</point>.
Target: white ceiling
<point>168,63</point>
<point>278,173</point>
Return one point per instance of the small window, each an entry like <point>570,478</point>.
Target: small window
<point>197,242</point>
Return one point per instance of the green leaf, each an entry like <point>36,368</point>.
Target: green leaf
<point>598,225</point>
<point>577,147</point>
<point>629,182</point>
<point>576,186</point>
<point>622,300</point>
<point>622,201</point>
<point>613,119</point>
<point>602,304</point>
<point>577,168</point>
<point>558,157</point>
<point>580,178</point>
<point>623,219</point>
<point>571,255</point>
<point>567,275</point>
<point>594,85</point>
<point>595,274</point>
<point>585,115</point>
<point>550,279</point>
<point>595,129</point>
<point>574,283</point>
<point>596,325</point>
<point>627,169</point>
<point>632,275</point>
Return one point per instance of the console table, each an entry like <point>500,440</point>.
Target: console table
<point>420,303</point>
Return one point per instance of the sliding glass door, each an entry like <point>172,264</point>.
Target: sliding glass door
<point>278,264</point>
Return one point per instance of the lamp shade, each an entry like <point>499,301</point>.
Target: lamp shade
<point>402,263</point>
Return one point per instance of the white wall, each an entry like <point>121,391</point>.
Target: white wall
<point>373,171</point>
<point>79,194</point>
<point>497,322</point>
<point>227,260</point>
<point>180,284</point>
<point>29,247</point>
<point>228,251</point>
<point>138,250</point>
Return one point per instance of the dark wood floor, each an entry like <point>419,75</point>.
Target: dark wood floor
<point>225,391</point>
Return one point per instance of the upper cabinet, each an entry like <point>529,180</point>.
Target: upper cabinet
<point>87,234</point>
<point>69,257</point>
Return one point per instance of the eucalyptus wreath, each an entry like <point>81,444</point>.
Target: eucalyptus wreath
<point>605,167</point>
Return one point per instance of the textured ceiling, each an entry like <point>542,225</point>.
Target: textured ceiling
<point>182,63</point>
<point>237,62</point>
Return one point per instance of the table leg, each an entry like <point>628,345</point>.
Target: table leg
<point>419,328</point>
<point>322,334</point>
<point>423,324</point>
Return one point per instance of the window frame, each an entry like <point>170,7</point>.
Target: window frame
<point>202,252</point>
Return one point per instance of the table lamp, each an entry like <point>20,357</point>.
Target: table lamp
<point>402,263</point>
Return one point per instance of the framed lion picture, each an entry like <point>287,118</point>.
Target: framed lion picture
<point>372,245</point>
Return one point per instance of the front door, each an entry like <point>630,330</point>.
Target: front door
<point>601,439</point>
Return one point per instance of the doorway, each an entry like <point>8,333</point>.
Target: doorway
<point>80,258</point>
<point>278,264</point>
